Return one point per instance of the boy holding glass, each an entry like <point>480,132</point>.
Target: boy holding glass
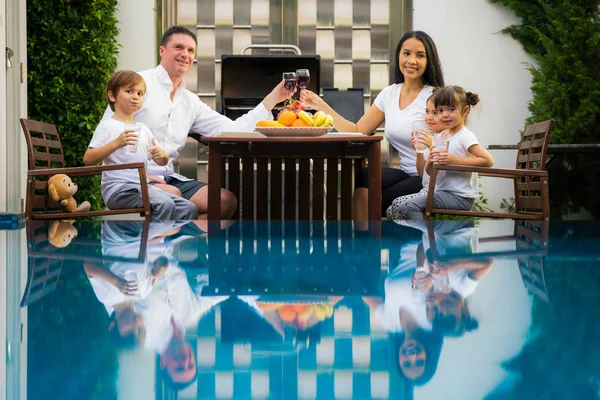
<point>120,140</point>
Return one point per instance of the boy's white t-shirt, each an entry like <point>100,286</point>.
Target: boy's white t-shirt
<point>398,123</point>
<point>463,184</point>
<point>107,131</point>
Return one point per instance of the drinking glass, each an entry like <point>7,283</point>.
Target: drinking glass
<point>418,126</point>
<point>132,148</point>
<point>440,140</point>
<point>302,79</point>
<point>290,80</point>
<point>420,275</point>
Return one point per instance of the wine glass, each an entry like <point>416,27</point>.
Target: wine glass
<point>302,79</point>
<point>290,80</point>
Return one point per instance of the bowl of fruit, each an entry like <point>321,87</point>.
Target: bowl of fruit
<point>294,120</point>
<point>299,316</point>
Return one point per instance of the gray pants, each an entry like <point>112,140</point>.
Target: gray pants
<point>165,206</point>
<point>412,206</point>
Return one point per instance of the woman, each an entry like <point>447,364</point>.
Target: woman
<point>418,70</point>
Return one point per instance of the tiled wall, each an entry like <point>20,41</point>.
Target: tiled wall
<point>352,37</point>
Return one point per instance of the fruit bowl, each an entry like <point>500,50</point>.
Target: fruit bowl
<point>293,131</point>
<point>298,315</point>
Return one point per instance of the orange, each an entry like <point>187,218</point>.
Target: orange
<point>299,122</point>
<point>287,314</point>
<point>300,307</point>
<point>287,118</point>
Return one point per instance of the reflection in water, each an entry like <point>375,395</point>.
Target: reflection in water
<point>312,311</point>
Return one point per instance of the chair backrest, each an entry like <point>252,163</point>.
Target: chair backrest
<point>44,150</point>
<point>533,235</point>
<point>349,103</point>
<point>532,155</point>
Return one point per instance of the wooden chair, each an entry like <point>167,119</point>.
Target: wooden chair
<point>45,262</point>
<point>46,158</point>
<point>530,178</point>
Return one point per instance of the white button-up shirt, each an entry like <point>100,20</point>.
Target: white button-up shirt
<point>171,121</point>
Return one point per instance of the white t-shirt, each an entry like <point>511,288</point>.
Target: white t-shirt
<point>399,293</point>
<point>463,184</point>
<point>173,297</point>
<point>171,121</point>
<point>108,130</point>
<point>398,123</point>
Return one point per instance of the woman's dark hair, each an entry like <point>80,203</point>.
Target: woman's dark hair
<point>434,75</point>
<point>431,342</point>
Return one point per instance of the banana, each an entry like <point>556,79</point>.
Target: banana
<point>266,122</point>
<point>328,121</point>
<point>306,117</point>
<point>319,118</point>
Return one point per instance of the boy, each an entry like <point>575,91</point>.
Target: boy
<point>120,140</point>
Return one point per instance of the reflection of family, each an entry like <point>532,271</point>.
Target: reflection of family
<point>150,115</point>
<point>417,324</point>
<point>150,301</point>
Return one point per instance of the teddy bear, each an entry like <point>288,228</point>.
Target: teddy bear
<point>62,189</point>
<point>61,233</point>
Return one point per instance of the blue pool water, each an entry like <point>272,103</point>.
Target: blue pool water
<point>453,310</point>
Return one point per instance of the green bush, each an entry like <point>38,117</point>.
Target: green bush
<point>71,50</point>
<point>563,36</point>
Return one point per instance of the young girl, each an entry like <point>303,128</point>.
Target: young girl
<point>434,124</point>
<point>454,190</point>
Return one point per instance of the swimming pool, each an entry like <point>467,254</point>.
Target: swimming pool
<point>463,310</point>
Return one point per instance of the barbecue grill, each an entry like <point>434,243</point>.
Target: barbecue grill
<point>247,79</point>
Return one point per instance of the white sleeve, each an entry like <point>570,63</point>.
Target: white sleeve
<point>468,140</point>
<point>102,136</point>
<point>208,122</point>
<point>382,98</point>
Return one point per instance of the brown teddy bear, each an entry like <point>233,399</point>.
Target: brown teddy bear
<point>62,189</point>
<point>61,233</point>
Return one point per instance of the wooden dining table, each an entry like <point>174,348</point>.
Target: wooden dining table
<point>292,178</point>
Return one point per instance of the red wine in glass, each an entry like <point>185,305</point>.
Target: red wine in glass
<point>289,80</point>
<point>303,78</point>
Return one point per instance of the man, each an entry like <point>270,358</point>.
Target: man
<point>171,112</point>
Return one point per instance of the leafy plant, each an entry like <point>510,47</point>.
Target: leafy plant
<point>563,36</point>
<point>508,205</point>
<point>71,49</point>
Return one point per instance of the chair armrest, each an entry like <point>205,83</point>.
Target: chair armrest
<point>490,171</point>
<point>83,171</point>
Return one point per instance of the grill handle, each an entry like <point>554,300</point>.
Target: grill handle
<point>285,47</point>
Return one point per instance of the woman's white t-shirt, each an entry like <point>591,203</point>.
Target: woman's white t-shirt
<point>398,123</point>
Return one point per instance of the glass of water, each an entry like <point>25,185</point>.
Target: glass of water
<point>133,148</point>
<point>419,126</point>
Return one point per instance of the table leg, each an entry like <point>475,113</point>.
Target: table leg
<point>214,182</point>
<point>375,182</point>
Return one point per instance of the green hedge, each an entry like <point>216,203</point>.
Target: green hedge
<point>71,50</point>
<point>563,36</point>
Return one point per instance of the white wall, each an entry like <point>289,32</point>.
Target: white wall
<point>477,57</point>
<point>137,25</point>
